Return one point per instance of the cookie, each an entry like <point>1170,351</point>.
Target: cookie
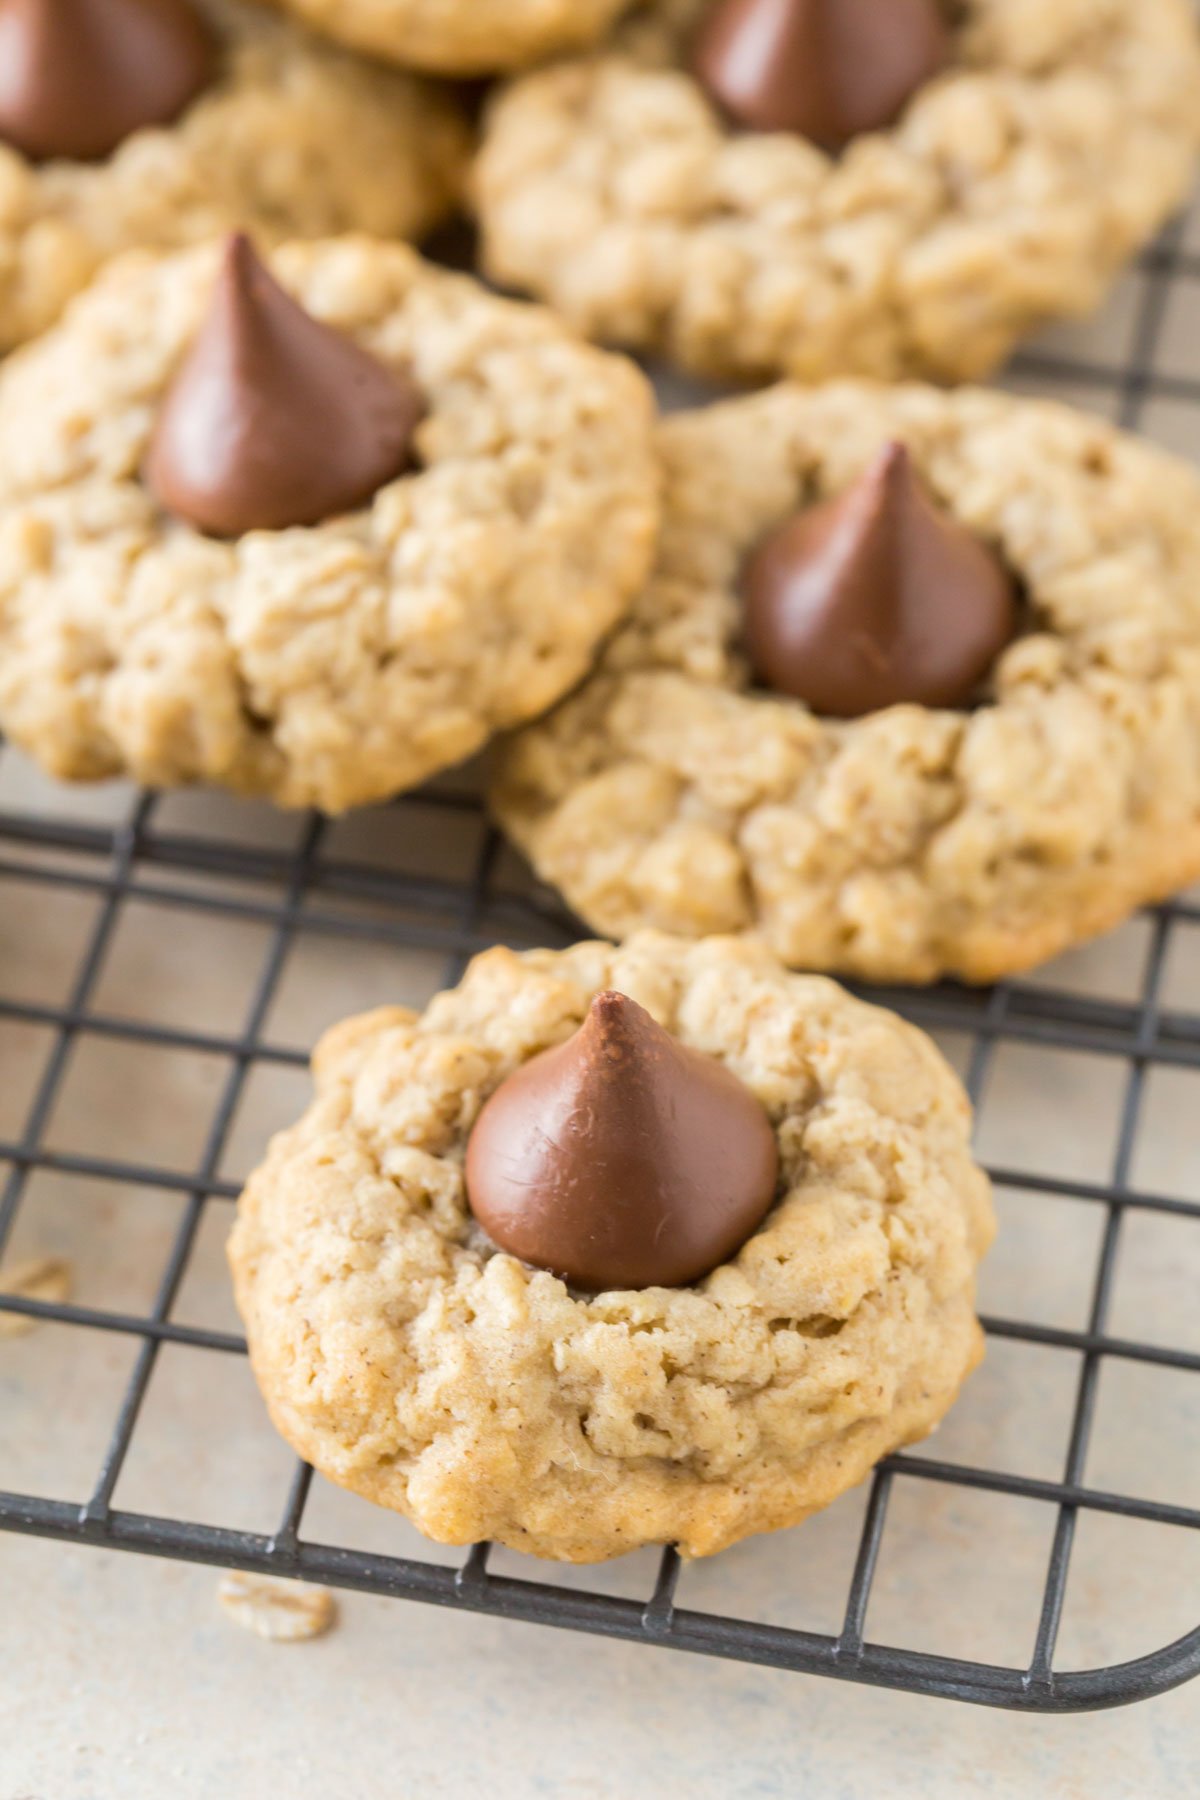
<point>284,135</point>
<point>913,841</point>
<point>337,662</point>
<point>461,37</point>
<point>408,1359</point>
<point>1016,182</point>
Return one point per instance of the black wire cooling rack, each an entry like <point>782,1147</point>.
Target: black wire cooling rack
<point>312,890</point>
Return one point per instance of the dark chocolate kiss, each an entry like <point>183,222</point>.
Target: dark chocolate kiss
<point>622,1159</point>
<point>876,599</point>
<point>274,419</point>
<point>77,77</point>
<point>828,69</point>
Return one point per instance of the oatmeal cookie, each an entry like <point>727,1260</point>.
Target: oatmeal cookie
<point>331,665</point>
<point>1012,189</point>
<point>909,843</point>
<point>293,139</point>
<point>410,1361</point>
<point>461,37</point>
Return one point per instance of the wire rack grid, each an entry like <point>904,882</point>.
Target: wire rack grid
<point>311,889</point>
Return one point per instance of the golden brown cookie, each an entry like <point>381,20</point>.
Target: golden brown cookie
<point>291,139</point>
<point>1010,191</point>
<point>338,663</point>
<point>410,1361</point>
<point>671,791</point>
<point>461,37</point>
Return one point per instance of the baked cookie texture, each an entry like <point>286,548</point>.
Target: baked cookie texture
<point>461,37</point>
<point>483,1399</point>
<point>908,844</point>
<point>295,139</point>
<point>1010,192</point>
<point>335,665</point>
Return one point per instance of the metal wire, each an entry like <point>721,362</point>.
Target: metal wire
<point>310,892</point>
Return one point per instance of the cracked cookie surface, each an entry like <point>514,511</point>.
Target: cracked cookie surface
<point>335,665</point>
<point>293,139</point>
<point>1010,193</point>
<point>461,37</point>
<point>409,1361</point>
<point>908,844</point>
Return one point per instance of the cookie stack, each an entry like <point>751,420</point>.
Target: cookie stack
<point>667,1242</point>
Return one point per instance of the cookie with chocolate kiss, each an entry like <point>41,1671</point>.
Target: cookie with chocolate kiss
<point>828,69</point>
<point>877,598</point>
<point>622,1159</point>
<point>275,420</point>
<point>78,77</point>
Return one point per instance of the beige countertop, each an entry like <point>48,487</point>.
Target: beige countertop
<point>120,1679</point>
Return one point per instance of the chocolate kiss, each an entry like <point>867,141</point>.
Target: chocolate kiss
<point>77,77</point>
<point>876,599</point>
<point>828,69</point>
<point>273,419</point>
<point>621,1159</point>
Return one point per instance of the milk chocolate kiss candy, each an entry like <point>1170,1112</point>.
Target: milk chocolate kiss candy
<point>77,77</point>
<point>622,1159</point>
<point>876,599</point>
<point>274,419</point>
<point>828,69</point>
